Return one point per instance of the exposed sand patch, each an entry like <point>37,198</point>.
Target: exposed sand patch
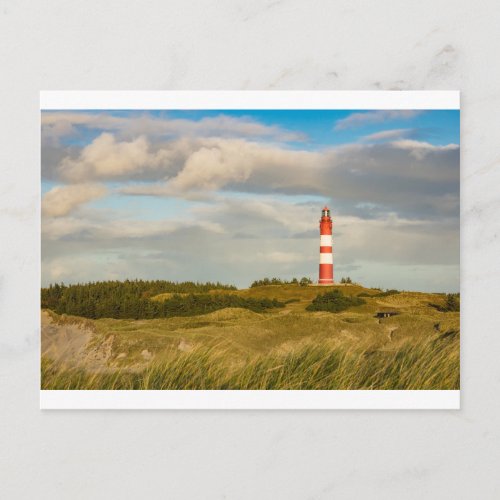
<point>64,342</point>
<point>69,342</point>
<point>147,355</point>
<point>99,355</point>
<point>184,346</point>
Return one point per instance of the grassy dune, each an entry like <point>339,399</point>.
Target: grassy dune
<point>289,348</point>
<point>426,364</point>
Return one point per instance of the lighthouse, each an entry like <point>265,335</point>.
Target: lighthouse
<point>325,248</point>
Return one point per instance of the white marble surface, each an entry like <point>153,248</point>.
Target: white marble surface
<point>272,44</point>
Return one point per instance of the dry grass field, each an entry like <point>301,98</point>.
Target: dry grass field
<point>286,348</point>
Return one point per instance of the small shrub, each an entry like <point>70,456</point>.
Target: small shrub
<point>334,301</point>
<point>452,303</point>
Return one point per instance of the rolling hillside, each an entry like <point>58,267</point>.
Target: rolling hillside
<point>283,348</point>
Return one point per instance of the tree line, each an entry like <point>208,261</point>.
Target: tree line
<point>131,299</point>
<point>96,290</point>
<point>277,281</point>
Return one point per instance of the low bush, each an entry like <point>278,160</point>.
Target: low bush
<point>452,303</point>
<point>334,301</point>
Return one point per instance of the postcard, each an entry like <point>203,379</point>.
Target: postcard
<point>250,250</point>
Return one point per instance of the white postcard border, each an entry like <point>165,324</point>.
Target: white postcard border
<point>248,400</point>
<point>242,99</point>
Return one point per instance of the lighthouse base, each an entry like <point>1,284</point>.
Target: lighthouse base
<point>325,270</point>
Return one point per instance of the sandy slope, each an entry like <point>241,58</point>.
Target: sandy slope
<point>69,342</point>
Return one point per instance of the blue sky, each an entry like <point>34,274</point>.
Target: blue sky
<point>435,127</point>
<point>133,194</point>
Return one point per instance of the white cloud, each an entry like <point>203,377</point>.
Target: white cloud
<point>403,176</point>
<point>109,230</point>
<point>219,163</point>
<point>213,164</point>
<point>420,149</point>
<point>369,117</point>
<point>396,240</point>
<point>56,125</point>
<point>388,134</point>
<point>192,164</point>
<point>257,214</point>
<point>61,200</point>
<point>107,158</point>
<point>210,168</point>
<point>281,257</point>
<point>57,228</point>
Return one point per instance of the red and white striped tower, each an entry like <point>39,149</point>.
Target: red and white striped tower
<point>325,248</point>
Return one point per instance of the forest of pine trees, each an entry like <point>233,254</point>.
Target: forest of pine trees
<point>131,299</point>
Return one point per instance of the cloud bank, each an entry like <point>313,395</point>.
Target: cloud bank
<point>58,125</point>
<point>407,177</point>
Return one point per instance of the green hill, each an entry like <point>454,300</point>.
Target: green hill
<point>278,348</point>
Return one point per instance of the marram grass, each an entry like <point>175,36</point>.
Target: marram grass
<point>429,363</point>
